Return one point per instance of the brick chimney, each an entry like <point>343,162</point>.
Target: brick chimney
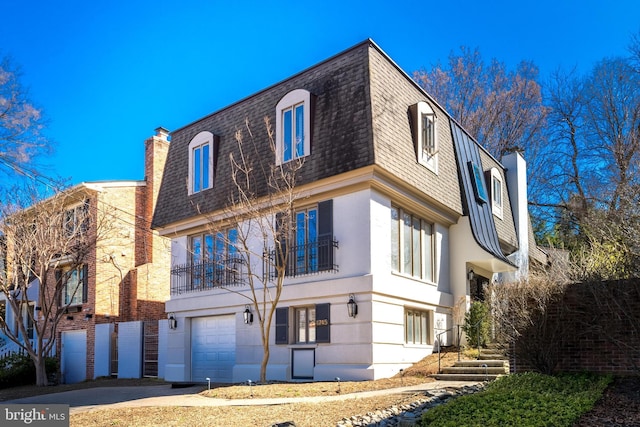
<point>155,156</point>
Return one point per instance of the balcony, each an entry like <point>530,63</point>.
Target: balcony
<point>308,258</point>
<point>208,275</point>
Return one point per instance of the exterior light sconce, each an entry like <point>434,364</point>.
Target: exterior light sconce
<point>173,322</point>
<point>88,316</point>
<point>248,315</point>
<point>352,307</point>
<point>471,275</point>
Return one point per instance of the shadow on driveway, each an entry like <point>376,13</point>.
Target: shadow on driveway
<point>108,395</point>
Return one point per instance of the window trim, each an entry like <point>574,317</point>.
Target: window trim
<point>429,160</point>
<point>201,139</point>
<point>497,207</point>
<point>290,101</point>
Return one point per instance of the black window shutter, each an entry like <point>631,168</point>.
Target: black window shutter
<point>282,325</point>
<point>323,323</point>
<point>85,284</point>
<point>325,235</point>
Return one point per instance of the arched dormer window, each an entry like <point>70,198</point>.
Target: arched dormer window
<point>426,135</point>
<point>201,151</point>
<point>293,126</point>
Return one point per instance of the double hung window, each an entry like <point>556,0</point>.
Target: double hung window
<point>311,324</point>
<point>293,126</point>
<point>74,284</point>
<point>412,245</point>
<point>496,193</point>
<point>201,153</point>
<point>425,135</point>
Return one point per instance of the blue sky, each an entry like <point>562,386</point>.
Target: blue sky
<point>107,73</point>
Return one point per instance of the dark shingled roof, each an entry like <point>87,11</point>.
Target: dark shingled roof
<point>341,138</point>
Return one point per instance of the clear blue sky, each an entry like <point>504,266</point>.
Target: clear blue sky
<point>107,73</point>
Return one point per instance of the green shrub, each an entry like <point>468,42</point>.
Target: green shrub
<point>528,399</point>
<point>477,324</point>
<point>17,369</point>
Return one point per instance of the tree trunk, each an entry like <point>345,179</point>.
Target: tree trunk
<point>41,372</point>
<point>263,365</point>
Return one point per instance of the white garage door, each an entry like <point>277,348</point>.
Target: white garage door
<point>74,356</point>
<point>213,348</point>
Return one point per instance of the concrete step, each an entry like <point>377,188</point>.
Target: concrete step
<point>466,377</point>
<point>474,370</point>
<point>489,362</point>
<point>492,356</point>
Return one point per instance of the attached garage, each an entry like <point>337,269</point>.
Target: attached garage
<point>213,348</point>
<point>74,356</point>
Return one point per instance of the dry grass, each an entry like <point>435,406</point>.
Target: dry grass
<point>303,414</point>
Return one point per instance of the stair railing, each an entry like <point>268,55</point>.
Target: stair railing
<point>439,340</point>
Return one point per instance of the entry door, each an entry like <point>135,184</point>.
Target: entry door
<point>74,356</point>
<point>213,348</point>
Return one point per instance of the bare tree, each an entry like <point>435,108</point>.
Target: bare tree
<point>523,314</point>
<point>502,109</point>
<point>260,212</point>
<point>46,244</point>
<point>21,123</point>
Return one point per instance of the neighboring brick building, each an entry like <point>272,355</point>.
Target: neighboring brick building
<point>124,278</point>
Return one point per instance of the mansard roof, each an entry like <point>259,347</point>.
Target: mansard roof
<point>361,118</point>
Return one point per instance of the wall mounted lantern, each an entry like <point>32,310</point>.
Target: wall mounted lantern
<point>248,315</point>
<point>352,307</point>
<point>471,275</point>
<point>173,322</point>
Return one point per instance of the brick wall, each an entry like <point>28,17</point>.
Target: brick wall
<point>599,325</point>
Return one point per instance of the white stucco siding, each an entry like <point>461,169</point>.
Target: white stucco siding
<point>351,227</point>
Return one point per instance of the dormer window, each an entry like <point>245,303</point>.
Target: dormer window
<point>496,193</point>
<point>201,162</point>
<point>425,135</point>
<point>293,126</point>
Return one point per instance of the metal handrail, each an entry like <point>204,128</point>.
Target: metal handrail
<point>439,340</point>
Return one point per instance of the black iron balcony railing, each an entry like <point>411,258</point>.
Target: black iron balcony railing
<point>308,258</point>
<point>207,275</point>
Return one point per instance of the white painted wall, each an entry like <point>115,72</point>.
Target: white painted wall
<point>130,344</point>
<point>369,346</point>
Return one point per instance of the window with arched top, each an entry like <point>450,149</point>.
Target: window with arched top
<point>426,135</point>
<point>293,126</point>
<point>201,153</point>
